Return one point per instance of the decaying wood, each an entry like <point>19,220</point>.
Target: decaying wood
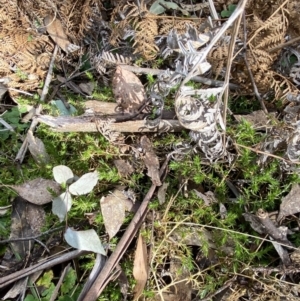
<point>110,109</point>
<point>88,124</point>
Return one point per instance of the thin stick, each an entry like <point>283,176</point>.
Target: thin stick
<point>239,10</point>
<point>229,64</point>
<point>4,281</point>
<point>21,154</point>
<point>264,153</point>
<point>199,79</point>
<point>256,92</point>
<point>29,238</point>
<point>54,294</point>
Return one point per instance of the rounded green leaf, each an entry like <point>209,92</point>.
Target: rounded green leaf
<point>87,240</point>
<point>61,205</point>
<point>85,184</point>
<point>62,174</point>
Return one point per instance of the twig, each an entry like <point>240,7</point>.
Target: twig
<point>265,153</point>
<point>4,281</point>
<point>29,238</point>
<point>20,91</point>
<point>249,69</point>
<point>290,42</point>
<point>105,275</point>
<point>234,34</point>
<point>239,10</point>
<point>59,283</point>
<point>21,154</point>
<point>213,11</point>
<point>199,79</point>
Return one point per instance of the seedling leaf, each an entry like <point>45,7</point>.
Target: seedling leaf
<point>62,174</point>
<point>61,205</point>
<point>85,184</point>
<point>87,240</point>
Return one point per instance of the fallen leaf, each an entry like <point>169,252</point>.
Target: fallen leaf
<point>123,283</point>
<point>85,184</point>
<point>87,240</point>
<point>150,160</point>
<point>56,32</point>
<point>223,211</point>
<point>208,198</point>
<point>36,191</point>
<point>255,223</point>
<point>113,211</point>
<point>37,149</point>
<point>87,88</point>
<point>140,267</point>
<point>128,90</point>
<point>124,168</point>
<point>290,204</point>
<point>161,193</point>
<point>256,118</point>
<point>27,220</point>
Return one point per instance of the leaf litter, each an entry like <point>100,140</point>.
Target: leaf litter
<point>37,191</point>
<point>201,111</point>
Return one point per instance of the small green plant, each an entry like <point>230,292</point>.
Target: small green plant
<point>13,119</point>
<point>65,177</point>
<point>46,286</point>
<point>227,13</point>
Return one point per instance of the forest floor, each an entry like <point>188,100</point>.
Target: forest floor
<point>149,150</point>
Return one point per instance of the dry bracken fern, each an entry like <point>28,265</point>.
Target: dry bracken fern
<point>26,49</point>
<point>146,31</point>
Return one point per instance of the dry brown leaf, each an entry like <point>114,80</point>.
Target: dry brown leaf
<point>113,211</point>
<point>258,119</point>
<point>151,161</point>
<point>37,149</point>
<point>56,31</point>
<point>290,204</point>
<point>27,220</point>
<point>124,168</point>
<point>140,267</point>
<point>87,88</point>
<point>128,90</point>
<point>161,193</point>
<point>36,191</point>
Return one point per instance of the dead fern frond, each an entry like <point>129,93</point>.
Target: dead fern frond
<point>217,58</point>
<point>282,86</point>
<point>145,38</point>
<point>166,25</point>
<point>115,59</point>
